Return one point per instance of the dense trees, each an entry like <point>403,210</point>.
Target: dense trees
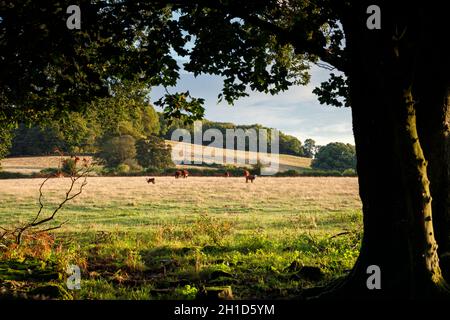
<point>126,112</point>
<point>77,134</point>
<point>291,145</point>
<point>287,144</point>
<point>397,78</point>
<point>116,150</point>
<point>335,156</point>
<point>153,152</point>
<point>35,141</point>
<point>84,134</point>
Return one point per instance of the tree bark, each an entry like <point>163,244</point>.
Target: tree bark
<point>392,166</point>
<point>433,113</point>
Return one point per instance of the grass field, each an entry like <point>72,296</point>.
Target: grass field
<point>170,240</point>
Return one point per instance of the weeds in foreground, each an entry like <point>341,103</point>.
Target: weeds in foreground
<point>255,266</point>
<point>204,230</point>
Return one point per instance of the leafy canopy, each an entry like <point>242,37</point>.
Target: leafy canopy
<point>263,45</point>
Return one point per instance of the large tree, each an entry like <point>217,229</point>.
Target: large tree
<point>396,83</point>
<point>399,89</point>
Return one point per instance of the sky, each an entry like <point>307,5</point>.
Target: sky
<point>296,111</point>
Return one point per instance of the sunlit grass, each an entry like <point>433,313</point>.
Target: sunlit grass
<point>141,241</point>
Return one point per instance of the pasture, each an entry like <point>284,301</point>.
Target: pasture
<point>169,240</point>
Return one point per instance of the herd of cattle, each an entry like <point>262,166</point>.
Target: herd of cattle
<point>184,174</point>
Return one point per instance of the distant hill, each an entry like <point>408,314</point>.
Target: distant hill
<point>86,133</point>
<point>36,164</point>
<point>287,144</point>
<point>286,162</point>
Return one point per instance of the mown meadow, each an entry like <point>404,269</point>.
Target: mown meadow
<point>179,238</point>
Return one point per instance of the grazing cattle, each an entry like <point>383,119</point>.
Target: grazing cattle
<point>250,177</point>
<point>178,174</point>
<point>246,173</point>
<point>226,174</point>
<point>185,173</point>
<point>151,180</point>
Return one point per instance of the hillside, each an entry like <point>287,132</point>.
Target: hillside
<point>286,162</point>
<point>36,164</point>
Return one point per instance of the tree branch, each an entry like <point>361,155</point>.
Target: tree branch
<point>70,194</point>
<point>303,45</point>
<point>53,228</point>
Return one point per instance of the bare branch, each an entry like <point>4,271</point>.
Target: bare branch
<point>41,205</point>
<point>68,197</point>
<point>70,194</point>
<point>340,234</point>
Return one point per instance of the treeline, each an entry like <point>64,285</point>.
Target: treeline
<point>126,113</point>
<point>126,134</point>
<point>287,144</point>
<point>85,134</point>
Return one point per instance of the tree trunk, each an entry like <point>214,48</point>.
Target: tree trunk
<point>392,167</point>
<point>433,110</point>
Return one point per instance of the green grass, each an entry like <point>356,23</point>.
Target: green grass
<point>171,239</point>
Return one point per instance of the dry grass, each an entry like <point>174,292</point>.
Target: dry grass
<point>326,192</point>
<point>121,226</point>
<point>31,164</point>
<point>240,157</point>
<point>130,200</point>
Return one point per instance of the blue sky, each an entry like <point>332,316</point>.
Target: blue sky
<point>295,111</point>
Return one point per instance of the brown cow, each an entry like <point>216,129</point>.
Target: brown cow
<point>177,174</point>
<point>151,180</point>
<point>250,177</point>
<point>185,173</point>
